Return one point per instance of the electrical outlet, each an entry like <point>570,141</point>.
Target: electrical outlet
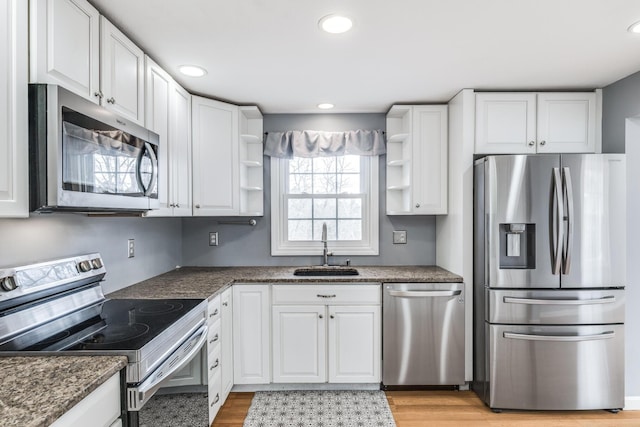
<point>399,237</point>
<point>213,238</point>
<point>131,248</point>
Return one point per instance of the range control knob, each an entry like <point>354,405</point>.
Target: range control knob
<point>96,263</point>
<point>84,266</point>
<point>8,283</point>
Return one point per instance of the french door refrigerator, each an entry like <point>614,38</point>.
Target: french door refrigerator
<point>549,277</point>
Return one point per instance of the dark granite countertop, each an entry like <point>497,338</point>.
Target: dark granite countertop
<point>206,282</point>
<point>35,391</point>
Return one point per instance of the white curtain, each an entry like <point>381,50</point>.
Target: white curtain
<point>311,143</point>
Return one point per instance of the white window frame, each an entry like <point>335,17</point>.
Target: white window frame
<point>369,245</point>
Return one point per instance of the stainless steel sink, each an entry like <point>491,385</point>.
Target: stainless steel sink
<point>326,271</point>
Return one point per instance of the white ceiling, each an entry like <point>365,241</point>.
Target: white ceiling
<point>271,52</point>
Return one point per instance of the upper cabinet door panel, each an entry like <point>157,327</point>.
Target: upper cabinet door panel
<point>215,158</point>
<point>121,73</point>
<point>14,191</point>
<point>567,122</point>
<point>65,43</point>
<point>505,123</point>
<point>180,141</point>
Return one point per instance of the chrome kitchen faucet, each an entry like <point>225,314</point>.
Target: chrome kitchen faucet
<point>325,250</point>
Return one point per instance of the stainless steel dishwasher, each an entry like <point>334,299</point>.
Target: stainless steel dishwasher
<point>422,334</point>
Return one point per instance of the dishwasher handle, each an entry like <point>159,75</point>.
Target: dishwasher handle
<point>424,294</point>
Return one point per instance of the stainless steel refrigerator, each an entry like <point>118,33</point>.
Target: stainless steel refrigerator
<point>549,277</point>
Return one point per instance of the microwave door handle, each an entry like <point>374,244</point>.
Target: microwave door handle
<point>154,169</point>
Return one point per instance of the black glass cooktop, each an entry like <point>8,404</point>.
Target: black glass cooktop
<point>123,324</point>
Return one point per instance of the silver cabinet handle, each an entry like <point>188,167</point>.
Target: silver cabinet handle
<point>171,205</point>
<point>215,365</point>
<point>217,399</point>
<point>111,100</point>
<point>531,143</point>
<point>326,296</point>
<point>556,223</point>
<point>566,338</point>
<point>177,205</point>
<point>534,301</point>
<point>215,312</point>
<point>543,142</point>
<point>568,196</point>
<point>99,94</point>
<point>424,294</point>
<point>214,339</point>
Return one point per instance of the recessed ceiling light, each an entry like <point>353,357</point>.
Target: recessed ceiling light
<point>192,70</point>
<point>325,106</point>
<point>634,28</point>
<point>335,24</point>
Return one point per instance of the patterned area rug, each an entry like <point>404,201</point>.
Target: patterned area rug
<point>175,410</point>
<point>319,409</point>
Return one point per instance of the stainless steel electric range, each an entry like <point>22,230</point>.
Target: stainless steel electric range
<point>58,307</point>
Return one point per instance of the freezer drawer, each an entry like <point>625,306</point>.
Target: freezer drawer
<point>556,367</point>
<point>557,307</point>
<point>423,334</point>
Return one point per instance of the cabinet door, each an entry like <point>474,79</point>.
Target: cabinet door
<point>430,151</point>
<point>251,334</point>
<point>121,73</point>
<point>65,45</point>
<point>157,91</point>
<point>14,190</point>
<point>505,123</point>
<point>226,343</point>
<point>299,344</point>
<point>567,122</point>
<point>215,158</point>
<point>180,150</point>
<point>354,344</point>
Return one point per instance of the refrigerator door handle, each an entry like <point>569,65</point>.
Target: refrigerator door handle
<point>561,338</point>
<point>534,301</point>
<point>556,223</point>
<point>424,294</point>
<point>568,196</point>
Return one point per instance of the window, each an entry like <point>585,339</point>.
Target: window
<point>339,191</point>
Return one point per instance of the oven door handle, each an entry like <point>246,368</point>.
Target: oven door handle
<point>139,395</point>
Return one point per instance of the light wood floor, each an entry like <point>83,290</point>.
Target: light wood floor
<point>453,408</point>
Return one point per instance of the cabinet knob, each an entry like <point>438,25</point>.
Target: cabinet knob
<point>225,303</point>
<point>197,206</point>
<point>111,100</point>
<point>543,142</point>
<point>417,205</point>
<point>532,143</point>
<point>320,316</point>
<point>177,205</point>
<point>332,316</point>
<point>171,205</point>
<point>98,94</point>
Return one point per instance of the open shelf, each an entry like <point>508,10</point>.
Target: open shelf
<point>398,137</point>
<point>398,163</point>
<point>251,161</point>
<point>251,139</point>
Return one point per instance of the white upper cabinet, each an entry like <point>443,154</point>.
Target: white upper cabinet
<point>216,187</point>
<point>121,73</point>
<point>417,153</point>
<point>168,113</point>
<point>65,45</point>
<point>528,123</point>
<point>14,162</point>
<point>71,45</point>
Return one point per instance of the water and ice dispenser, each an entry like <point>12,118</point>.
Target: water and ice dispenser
<point>517,246</point>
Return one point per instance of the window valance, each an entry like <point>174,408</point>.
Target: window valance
<point>311,143</point>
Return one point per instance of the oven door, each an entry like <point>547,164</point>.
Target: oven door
<point>139,394</point>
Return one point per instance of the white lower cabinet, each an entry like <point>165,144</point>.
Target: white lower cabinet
<point>316,341</point>
<point>251,334</point>
<point>101,408</point>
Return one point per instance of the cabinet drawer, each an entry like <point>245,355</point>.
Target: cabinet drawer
<point>213,336</point>
<point>214,309</point>
<point>556,307</point>
<point>213,363</point>
<point>368,294</point>
<point>215,396</point>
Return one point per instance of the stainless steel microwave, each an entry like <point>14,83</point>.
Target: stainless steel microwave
<point>84,158</point>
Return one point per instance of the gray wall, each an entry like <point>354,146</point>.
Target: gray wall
<point>244,245</point>
<point>621,102</point>
<point>158,243</point>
